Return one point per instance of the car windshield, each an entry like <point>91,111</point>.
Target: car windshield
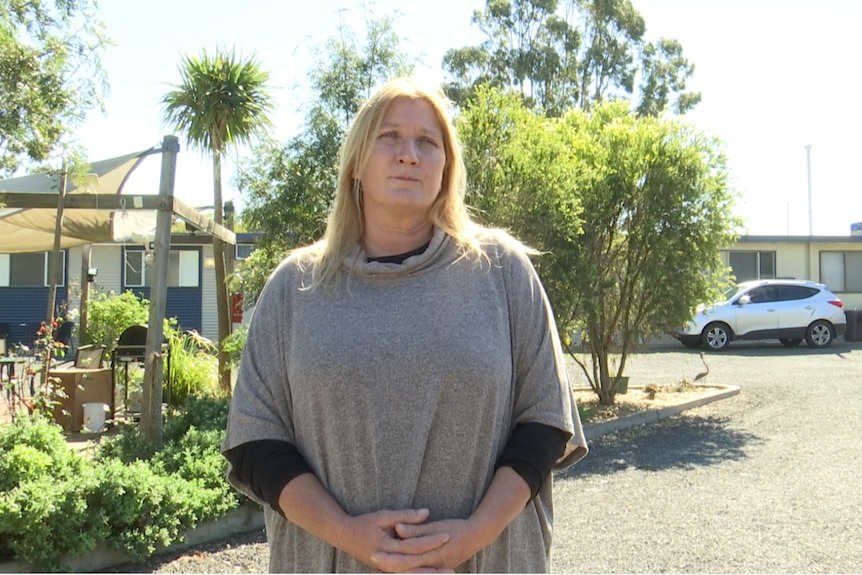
<point>731,293</point>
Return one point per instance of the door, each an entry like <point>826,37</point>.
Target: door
<point>760,314</point>
<point>794,312</point>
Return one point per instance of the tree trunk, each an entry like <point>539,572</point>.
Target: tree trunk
<point>604,381</point>
<point>222,301</point>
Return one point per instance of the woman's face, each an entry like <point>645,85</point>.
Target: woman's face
<point>404,172</point>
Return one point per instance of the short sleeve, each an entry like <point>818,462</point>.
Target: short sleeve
<point>542,389</point>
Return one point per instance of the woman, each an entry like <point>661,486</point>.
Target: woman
<point>402,396</point>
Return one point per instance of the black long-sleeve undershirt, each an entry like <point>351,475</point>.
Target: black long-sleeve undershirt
<point>268,465</point>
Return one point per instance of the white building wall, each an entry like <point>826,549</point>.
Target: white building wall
<point>209,311</point>
<point>109,260</point>
<point>73,278</point>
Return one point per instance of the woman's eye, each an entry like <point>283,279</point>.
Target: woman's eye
<point>428,141</point>
<point>389,135</point>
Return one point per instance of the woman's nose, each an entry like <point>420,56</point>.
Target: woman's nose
<point>408,152</point>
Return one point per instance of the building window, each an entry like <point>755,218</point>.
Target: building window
<point>30,270</point>
<point>754,265</point>
<point>183,268</point>
<point>841,271</point>
<point>243,251</point>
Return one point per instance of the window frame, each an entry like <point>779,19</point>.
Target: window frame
<point>241,257</point>
<point>186,275</point>
<point>7,267</point>
<point>849,282</point>
<point>758,263</point>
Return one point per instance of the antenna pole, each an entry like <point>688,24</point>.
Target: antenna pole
<point>810,211</point>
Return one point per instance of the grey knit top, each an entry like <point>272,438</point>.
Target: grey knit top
<point>401,389</point>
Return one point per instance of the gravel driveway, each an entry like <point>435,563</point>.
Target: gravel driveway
<point>767,481</point>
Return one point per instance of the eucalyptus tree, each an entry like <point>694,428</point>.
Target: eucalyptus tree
<point>563,54</point>
<point>51,75</point>
<point>629,212</point>
<point>287,188</point>
<point>223,100</point>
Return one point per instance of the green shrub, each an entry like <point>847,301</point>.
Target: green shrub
<point>234,344</point>
<point>45,522</point>
<point>126,446</point>
<point>145,510</point>
<point>22,463</point>
<point>37,432</point>
<point>195,457</point>
<point>110,315</point>
<point>204,413</point>
<point>32,448</point>
<point>57,504</point>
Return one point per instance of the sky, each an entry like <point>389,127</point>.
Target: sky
<point>779,81</point>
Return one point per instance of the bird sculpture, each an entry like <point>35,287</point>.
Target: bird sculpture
<point>702,374</point>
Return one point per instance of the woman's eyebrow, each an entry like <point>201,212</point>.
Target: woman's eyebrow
<point>424,130</point>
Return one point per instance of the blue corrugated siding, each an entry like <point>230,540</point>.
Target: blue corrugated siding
<point>22,309</point>
<point>183,303</point>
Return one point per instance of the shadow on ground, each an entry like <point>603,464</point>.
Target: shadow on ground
<point>677,443</point>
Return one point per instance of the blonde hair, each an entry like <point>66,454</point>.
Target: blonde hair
<point>344,227</point>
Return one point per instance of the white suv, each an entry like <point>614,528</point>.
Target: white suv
<point>787,310</point>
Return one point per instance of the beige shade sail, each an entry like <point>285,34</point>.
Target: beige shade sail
<point>25,229</point>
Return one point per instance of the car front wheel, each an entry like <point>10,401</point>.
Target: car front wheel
<point>716,337</point>
<point>820,334</point>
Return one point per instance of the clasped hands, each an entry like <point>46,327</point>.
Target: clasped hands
<point>402,542</point>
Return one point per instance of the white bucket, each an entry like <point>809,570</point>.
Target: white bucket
<point>94,417</point>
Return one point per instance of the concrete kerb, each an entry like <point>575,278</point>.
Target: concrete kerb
<point>250,518</point>
<point>593,430</point>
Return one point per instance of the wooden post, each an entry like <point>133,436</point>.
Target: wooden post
<point>86,263</point>
<point>151,409</point>
<point>54,272</point>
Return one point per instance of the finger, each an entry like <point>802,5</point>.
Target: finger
<point>388,519</point>
<point>401,563</point>
<point>419,545</point>
<point>407,530</point>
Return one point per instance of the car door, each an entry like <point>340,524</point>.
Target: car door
<point>796,307</point>
<point>760,313</point>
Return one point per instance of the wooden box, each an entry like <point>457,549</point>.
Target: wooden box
<point>82,386</point>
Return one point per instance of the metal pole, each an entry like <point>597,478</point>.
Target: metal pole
<point>810,211</point>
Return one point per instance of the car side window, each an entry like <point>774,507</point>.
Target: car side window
<point>791,293</point>
<point>763,294</point>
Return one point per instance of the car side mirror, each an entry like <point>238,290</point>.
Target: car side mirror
<point>744,300</point>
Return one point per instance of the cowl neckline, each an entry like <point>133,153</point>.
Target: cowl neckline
<point>357,260</point>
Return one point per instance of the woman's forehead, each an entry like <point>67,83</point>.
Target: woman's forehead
<point>418,112</point>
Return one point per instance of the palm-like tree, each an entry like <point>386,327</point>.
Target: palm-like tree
<point>222,100</point>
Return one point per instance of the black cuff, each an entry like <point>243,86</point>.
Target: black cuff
<point>266,466</point>
<point>532,450</point>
